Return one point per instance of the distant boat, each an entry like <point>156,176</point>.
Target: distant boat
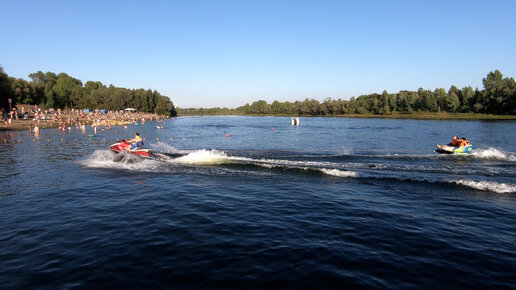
<point>295,121</point>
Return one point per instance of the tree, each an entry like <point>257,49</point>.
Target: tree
<point>468,99</point>
<point>43,84</point>
<point>441,97</point>
<point>63,89</point>
<point>120,99</point>
<point>509,93</point>
<point>91,85</point>
<point>309,107</point>
<point>327,107</point>
<point>429,101</point>
<point>452,101</point>
<point>384,103</point>
<point>24,92</point>
<point>493,98</point>
<point>165,107</point>
<point>260,107</point>
<point>6,91</point>
<point>406,101</point>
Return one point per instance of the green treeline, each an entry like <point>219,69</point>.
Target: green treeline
<point>63,91</point>
<point>498,97</point>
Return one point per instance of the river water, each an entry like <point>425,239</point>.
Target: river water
<point>233,202</point>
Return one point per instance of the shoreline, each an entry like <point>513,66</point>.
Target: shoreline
<point>410,116</point>
<point>20,125</point>
<point>23,124</point>
<point>76,118</point>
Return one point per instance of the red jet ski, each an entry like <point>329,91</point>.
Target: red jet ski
<point>123,145</point>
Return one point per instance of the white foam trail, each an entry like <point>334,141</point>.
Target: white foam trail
<point>487,185</point>
<point>381,171</point>
<point>109,159</point>
<point>346,152</point>
<point>339,173</point>
<point>493,153</point>
<point>123,160</point>
<point>271,163</point>
<point>479,185</point>
<point>204,157</point>
<point>166,148</point>
<point>99,159</point>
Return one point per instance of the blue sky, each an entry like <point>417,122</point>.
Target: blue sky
<point>229,53</point>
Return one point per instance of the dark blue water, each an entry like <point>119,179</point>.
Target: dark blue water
<point>331,203</point>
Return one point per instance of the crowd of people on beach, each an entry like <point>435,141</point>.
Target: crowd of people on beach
<point>65,120</point>
<point>8,116</point>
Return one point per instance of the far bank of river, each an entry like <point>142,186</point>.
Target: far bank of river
<point>412,116</point>
<point>24,124</point>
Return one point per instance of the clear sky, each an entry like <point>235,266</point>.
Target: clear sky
<point>229,53</point>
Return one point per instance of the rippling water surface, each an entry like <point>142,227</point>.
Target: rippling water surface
<point>255,202</point>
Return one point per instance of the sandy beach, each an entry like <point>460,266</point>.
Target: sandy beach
<point>66,119</point>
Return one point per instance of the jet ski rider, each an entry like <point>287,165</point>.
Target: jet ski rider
<point>136,142</point>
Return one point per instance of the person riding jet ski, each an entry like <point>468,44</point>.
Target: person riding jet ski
<point>136,142</point>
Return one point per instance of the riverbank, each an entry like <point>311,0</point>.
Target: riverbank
<point>411,116</point>
<point>17,125</point>
<point>434,116</point>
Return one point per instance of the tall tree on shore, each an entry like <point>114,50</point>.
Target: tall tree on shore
<point>5,89</point>
<point>509,91</point>
<point>452,100</point>
<point>429,101</point>
<point>165,107</point>
<point>43,84</point>
<point>64,88</point>
<point>24,92</point>
<point>384,103</point>
<point>467,100</point>
<point>493,98</point>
